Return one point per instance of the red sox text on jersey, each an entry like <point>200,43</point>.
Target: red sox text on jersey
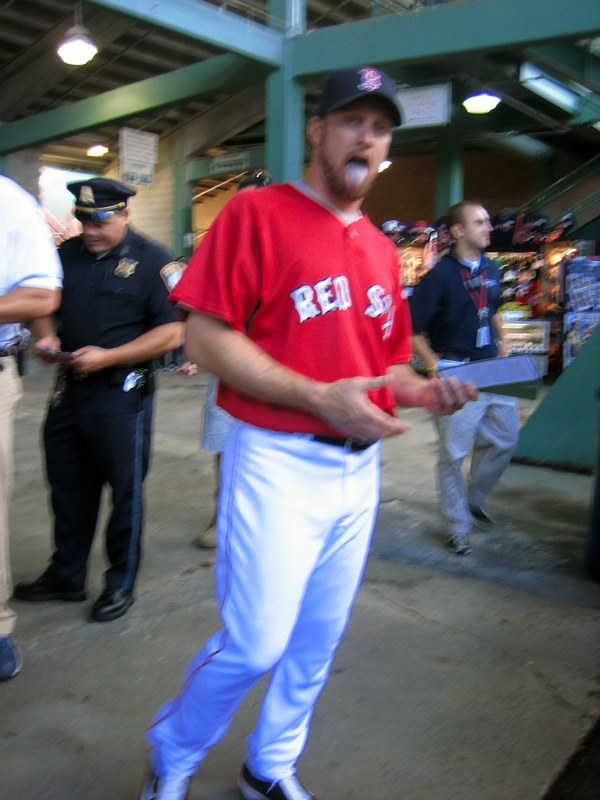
<point>333,294</point>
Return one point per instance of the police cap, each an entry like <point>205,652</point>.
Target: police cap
<point>97,199</point>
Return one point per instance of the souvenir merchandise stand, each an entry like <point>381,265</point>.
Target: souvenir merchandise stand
<point>533,299</point>
<point>533,295</point>
<point>581,303</point>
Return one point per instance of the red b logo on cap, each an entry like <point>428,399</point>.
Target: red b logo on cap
<point>370,80</point>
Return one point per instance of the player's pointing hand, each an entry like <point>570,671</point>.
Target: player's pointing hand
<point>346,406</point>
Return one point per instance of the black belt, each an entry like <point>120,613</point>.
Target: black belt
<point>454,357</point>
<point>12,350</point>
<point>339,441</point>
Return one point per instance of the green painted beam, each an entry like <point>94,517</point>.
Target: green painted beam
<point>221,74</point>
<point>208,23</point>
<point>571,62</point>
<point>587,111</point>
<point>285,102</point>
<point>418,37</point>
<point>450,170</point>
<point>285,127</point>
<point>182,212</point>
<point>562,430</point>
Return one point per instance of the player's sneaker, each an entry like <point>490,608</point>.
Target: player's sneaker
<point>481,516</point>
<point>252,788</point>
<point>156,788</point>
<point>459,545</point>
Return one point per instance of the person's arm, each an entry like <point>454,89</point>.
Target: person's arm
<point>440,397</point>
<point>344,404</point>
<point>498,334</point>
<point>25,303</point>
<point>422,349</point>
<point>43,329</point>
<point>153,343</point>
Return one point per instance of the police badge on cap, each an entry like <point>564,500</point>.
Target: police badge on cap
<point>99,198</point>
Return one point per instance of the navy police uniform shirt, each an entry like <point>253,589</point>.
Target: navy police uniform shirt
<point>443,309</point>
<point>110,300</point>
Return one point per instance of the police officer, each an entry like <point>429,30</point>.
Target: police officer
<point>113,320</point>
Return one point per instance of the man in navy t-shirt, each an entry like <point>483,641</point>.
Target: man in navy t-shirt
<point>455,317</point>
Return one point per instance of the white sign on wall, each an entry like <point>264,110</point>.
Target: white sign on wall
<point>138,153</point>
<point>229,162</point>
<point>426,105</point>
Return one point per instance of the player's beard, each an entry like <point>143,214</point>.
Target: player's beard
<point>338,185</point>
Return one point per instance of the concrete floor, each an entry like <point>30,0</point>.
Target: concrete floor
<point>459,678</point>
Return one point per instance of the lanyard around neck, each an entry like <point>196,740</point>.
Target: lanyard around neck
<point>479,298</point>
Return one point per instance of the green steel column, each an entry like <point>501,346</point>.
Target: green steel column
<point>182,212</point>
<point>450,170</point>
<point>285,99</point>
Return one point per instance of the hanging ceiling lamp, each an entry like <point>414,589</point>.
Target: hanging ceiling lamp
<point>97,150</point>
<point>481,103</point>
<point>77,47</point>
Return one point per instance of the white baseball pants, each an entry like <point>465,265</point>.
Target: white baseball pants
<point>490,428</point>
<point>294,524</point>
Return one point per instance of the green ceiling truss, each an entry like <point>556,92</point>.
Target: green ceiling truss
<point>443,30</point>
<point>572,63</point>
<point>256,50</point>
<point>283,53</point>
<point>225,73</point>
<point>209,24</point>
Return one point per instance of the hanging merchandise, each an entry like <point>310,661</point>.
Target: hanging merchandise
<point>582,304</point>
<point>416,247</point>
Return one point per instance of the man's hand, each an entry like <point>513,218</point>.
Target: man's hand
<point>346,406</point>
<point>91,359</point>
<point>445,396</point>
<point>45,346</point>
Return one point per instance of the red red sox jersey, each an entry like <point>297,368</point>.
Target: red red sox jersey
<point>318,294</point>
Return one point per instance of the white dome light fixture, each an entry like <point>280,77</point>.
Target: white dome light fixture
<point>97,151</point>
<point>481,103</point>
<point>77,48</point>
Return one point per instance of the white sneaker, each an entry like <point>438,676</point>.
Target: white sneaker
<point>156,788</point>
<point>252,788</point>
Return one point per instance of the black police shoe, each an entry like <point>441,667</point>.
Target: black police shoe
<point>47,588</point>
<point>252,788</point>
<point>111,604</point>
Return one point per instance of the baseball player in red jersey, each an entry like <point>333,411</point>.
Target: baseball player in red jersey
<point>294,303</point>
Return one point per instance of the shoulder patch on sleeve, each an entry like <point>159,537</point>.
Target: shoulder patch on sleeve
<point>171,273</point>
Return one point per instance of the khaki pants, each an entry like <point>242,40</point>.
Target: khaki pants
<point>488,429</point>
<point>10,394</point>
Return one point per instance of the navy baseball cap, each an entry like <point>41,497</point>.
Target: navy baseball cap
<point>346,85</point>
<point>99,198</point>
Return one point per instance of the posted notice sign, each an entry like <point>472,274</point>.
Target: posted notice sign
<point>426,105</point>
<point>138,153</point>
